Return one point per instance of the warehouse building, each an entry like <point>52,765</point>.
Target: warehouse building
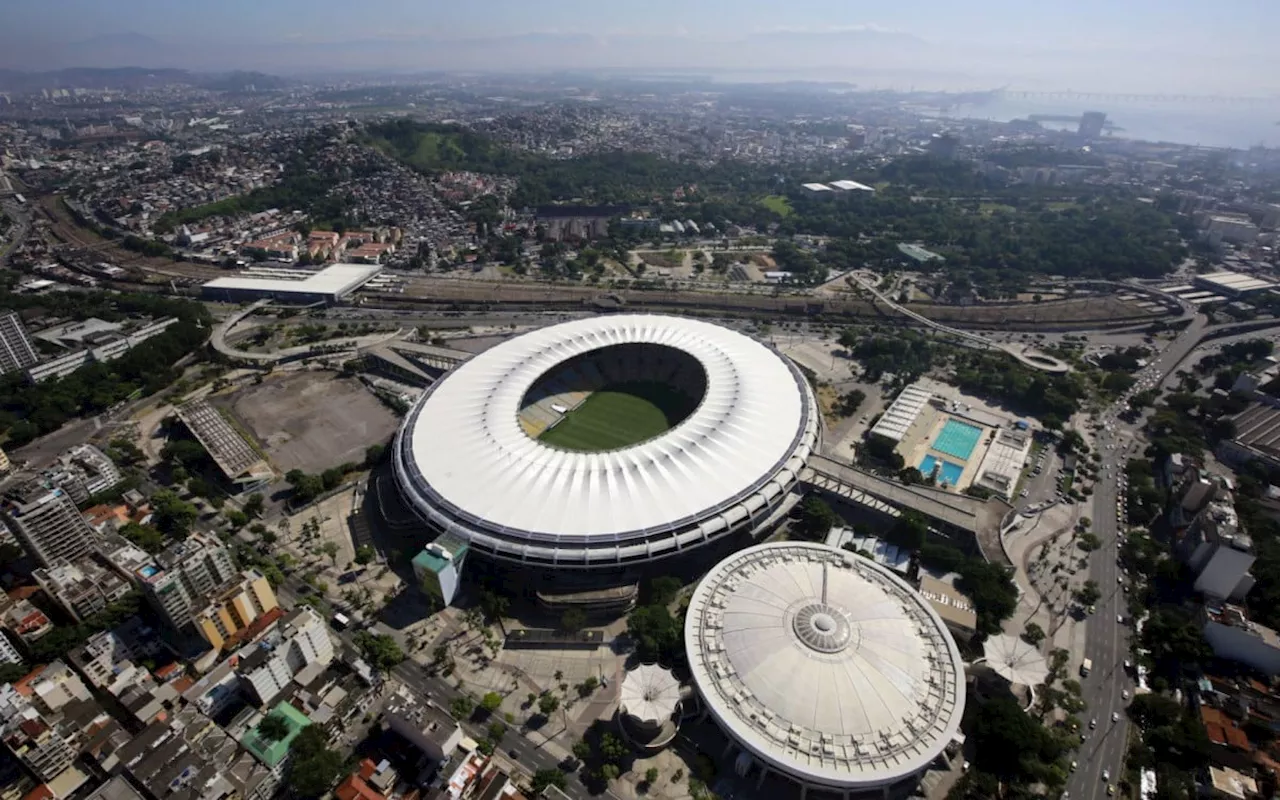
<point>329,285</point>
<point>1232,284</point>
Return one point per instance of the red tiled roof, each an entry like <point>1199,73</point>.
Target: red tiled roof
<point>354,788</point>
<point>41,792</point>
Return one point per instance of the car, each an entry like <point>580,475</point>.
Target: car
<point>1074,765</point>
<point>1093,723</point>
<point>1024,493</point>
<point>1124,695</point>
<point>514,753</point>
<point>1092,609</point>
<point>1115,716</point>
<point>1106,774</point>
<point>1126,664</point>
<point>1119,619</point>
<point>1111,790</point>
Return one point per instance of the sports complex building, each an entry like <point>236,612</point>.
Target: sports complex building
<point>952,442</point>
<point>825,668</point>
<point>602,446</point>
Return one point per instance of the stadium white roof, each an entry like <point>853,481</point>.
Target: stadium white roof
<point>895,421</point>
<point>817,187</point>
<point>336,280</point>
<point>824,665</point>
<point>650,693</point>
<point>464,462</point>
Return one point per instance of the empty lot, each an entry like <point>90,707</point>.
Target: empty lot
<point>312,420</point>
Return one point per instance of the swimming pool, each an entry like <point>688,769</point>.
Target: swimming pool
<point>957,439</point>
<point>948,472</point>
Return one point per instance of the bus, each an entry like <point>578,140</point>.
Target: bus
<point>1086,667</point>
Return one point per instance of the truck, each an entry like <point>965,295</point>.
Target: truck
<point>341,621</point>
<point>1086,667</point>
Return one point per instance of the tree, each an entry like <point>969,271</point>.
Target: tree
<point>380,649</point>
<point>305,487</point>
<point>815,518</point>
<point>462,707</point>
<point>588,685</point>
<point>1033,634</point>
<point>910,529</point>
<point>144,536</point>
<point>373,454</point>
<point>330,549</point>
<point>651,775</point>
<point>662,590</point>
<point>491,702</point>
<point>547,777</point>
<point>171,514</point>
<point>1011,744</point>
<point>494,605</point>
<point>186,452</point>
<point>315,768</point>
<point>273,728</point>
<point>582,750</point>
<point>612,748</point>
<point>1088,594</point>
<point>125,452</point>
<point>548,703</point>
<point>364,554</point>
<point>573,620</point>
<point>656,633</point>
<point>253,505</point>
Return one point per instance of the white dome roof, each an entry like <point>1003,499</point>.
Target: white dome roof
<point>824,664</point>
<point>464,461</point>
<point>650,693</point>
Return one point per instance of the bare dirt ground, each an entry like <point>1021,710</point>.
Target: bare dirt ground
<point>313,420</point>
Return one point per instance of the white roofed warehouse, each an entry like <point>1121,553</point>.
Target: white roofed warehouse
<point>824,667</point>
<point>601,444</point>
<point>288,285</point>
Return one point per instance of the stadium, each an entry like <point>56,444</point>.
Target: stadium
<point>824,668</point>
<point>603,444</point>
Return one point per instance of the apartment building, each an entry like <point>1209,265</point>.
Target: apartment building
<point>83,587</point>
<point>296,648</point>
<point>83,471</point>
<point>234,609</point>
<point>47,524</point>
<point>187,573</point>
<point>17,352</point>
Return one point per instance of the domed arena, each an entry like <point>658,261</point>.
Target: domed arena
<point>607,442</point>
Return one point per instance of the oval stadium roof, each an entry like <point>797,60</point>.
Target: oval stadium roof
<point>464,461</point>
<point>824,665</point>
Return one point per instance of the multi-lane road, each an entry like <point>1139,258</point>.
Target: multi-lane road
<point>1107,631</point>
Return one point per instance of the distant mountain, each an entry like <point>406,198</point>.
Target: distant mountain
<point>134,78</point>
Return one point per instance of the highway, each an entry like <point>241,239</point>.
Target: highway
<point>1107,639</point>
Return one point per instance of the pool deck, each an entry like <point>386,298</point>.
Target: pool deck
<point>918,443</point>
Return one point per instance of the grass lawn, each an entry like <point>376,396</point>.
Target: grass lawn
<point>618,416</point>
<point>778,205</point>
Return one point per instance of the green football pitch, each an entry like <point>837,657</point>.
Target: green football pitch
<point>620,415</point>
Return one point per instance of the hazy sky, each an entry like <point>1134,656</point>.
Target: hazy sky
<point>1203,44</point>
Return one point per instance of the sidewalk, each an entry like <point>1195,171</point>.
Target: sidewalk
<point>1043,597</point>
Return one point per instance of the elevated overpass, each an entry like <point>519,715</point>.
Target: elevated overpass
<point>949,511</point>
<point>1035,360</point>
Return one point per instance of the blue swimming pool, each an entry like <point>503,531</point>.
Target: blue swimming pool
<point>957,439</point>
<point>948,472</point>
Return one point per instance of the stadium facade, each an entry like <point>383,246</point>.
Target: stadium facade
<point>474,457</point>
<point>825,668</point>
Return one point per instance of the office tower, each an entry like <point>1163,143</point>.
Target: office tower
<point>1091,123</point>
<point>16,350</point>
<point>47,524</point>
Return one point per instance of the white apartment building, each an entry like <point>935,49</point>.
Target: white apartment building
<point>300,641</point>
